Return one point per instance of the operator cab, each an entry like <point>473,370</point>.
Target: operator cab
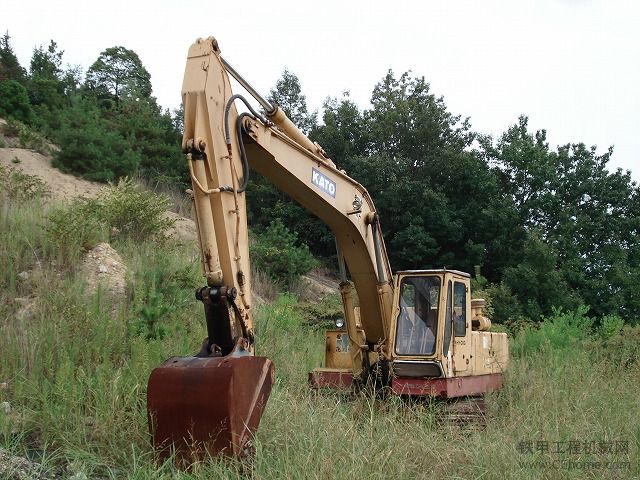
<point>432,321</point>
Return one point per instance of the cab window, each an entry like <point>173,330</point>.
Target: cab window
<point>418,318</point>
<point>459,309</point>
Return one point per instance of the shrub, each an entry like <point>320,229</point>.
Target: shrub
<point>27,136</point>
<point>17,185</point>
<point>560,331</point>
<point>133,212</point>
<point>121,210</point>
<point>75,226</point>
<point>610,326</point>
<point>323,313</point>
<point>14,101</point>
<point>275,251</point>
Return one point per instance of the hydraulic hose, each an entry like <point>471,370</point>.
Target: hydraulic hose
<point>227,133</point>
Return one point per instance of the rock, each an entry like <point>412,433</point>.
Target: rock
<point>184,229</point>
<point>103,266</point>
<point>18,468</point>
<point>314,287</point>
<point>23,276</point>
<point>5,407</point>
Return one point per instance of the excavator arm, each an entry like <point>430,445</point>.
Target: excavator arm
<point>221,146</point>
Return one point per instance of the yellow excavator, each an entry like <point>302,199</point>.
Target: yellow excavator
<point>415,333</point>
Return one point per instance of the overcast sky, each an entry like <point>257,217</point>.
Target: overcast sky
<point>572,66</point>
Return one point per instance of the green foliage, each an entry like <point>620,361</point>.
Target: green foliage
<point>75,227</point>
<point>152,315</point>
<point>16,185</point>
<point>586,216</point>
<point>275,251</point>
<point>155,139</point>
<point>14,101</point>
<point>27,136</point>
<point>117,74</point>
<point>46,83</point>
<point>90,148</point>
<point>121,211</point>
<point>343,133</point>
<point>559,333</point>
<point>536,281</point>
<point>10,68</point>
<point>610,326</point>
<point>46,63</point>
<point>322,313</point>
<point>104,144</point>
<point>132,212</point>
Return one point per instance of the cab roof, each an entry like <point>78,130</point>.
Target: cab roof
<point>433,271</point>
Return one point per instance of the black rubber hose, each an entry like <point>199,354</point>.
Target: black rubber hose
<point>227,133</point>
<point>227,107</point>
<point>243,154</point>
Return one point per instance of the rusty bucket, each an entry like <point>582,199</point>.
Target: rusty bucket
<point>207,406</point>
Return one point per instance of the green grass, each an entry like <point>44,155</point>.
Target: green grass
<point>77,367</point>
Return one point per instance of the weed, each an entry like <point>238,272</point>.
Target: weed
<point>559,332</point>
<point>27,137</point>
<point>121,211</point>
<point>133,212</point>
<point>17,185</point>
<point>78,376</point>
<point>323,313</point>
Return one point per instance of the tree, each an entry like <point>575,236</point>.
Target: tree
<point>46,85</point>
<point>406,120</point>
<point>118,73</point>
<point>46,64</point>
<point>90,147</point>
<point>287,94</point>
<point>439,203</point>
<point>152,133</point>
<point>343,134</point>
<point>276,252</point>
<point>14,101</point>
<point>10,68</point>
<point>585,214</point>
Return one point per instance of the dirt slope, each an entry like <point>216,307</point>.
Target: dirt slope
<point>62,185</point>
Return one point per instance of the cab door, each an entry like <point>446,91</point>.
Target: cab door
<point>461,321</point>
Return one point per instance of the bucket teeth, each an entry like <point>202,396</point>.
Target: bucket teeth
<point>207,406</point>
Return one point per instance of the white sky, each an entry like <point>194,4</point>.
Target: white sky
<point>572,66</point>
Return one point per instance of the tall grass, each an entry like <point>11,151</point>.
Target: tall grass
<point>77,376</point>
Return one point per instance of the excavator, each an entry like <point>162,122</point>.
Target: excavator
<point>415,333</point>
